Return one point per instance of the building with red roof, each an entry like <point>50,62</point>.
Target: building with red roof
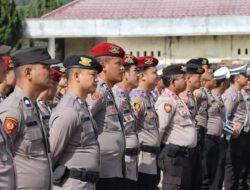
<point>171,30</point>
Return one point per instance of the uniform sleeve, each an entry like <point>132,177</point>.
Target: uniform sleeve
<point>165,111</point>
<point>229,105</point>
<point>11,119</point>
<point>62,126</point>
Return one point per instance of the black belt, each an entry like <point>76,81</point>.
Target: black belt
<point>150,149</point>
<point>175,150</point>
<point>132,151</point>
<point>214,138</point>
<point>84,175</point>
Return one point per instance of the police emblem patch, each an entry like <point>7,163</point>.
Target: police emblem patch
<point>9,125</point>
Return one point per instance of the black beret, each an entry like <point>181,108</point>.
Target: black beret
<point>83,62</point>
<point>4,49</point>
<point>34,55</point>
<point>175,69</point>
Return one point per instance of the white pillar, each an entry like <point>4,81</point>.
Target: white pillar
<point>52,47</point>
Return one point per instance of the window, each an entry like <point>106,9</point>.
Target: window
<point>159,53</point>
<point>239,51</point>
<point>246,51</point>
<point>145,53</point>
<point>138,53</point>
<point>152,53</point>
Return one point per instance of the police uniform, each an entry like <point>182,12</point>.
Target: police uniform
<point>22,123</point>
<point>215,124</point>
<point>178,136</point>
<point>130,130</point>
<point>236,112</point>
<point>109,125</point>
<point>245,144</point>
<point>75,150</point>
<point>7,169</point>
<point>193,66</point>
<point>45,107</point>
<point>147,126</point>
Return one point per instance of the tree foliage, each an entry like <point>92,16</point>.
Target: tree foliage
<point>11,27</point>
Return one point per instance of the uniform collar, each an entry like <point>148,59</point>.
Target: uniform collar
<point>75,97</point>
<point>122,91</point>
<point>22,95</point>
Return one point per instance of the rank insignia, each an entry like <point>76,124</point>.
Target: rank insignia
<point>9,125</point>
<point>85,61</point>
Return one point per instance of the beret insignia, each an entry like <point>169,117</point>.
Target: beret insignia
<point>114,49</point>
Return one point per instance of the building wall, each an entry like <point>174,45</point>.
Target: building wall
<point>172,49</point>
<point>80,45</point>
<point>180,49</point>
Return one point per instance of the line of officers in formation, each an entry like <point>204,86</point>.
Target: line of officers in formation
<point>111,121</point>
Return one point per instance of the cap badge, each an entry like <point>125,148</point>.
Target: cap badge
<point>149,61</point>
<point>114,49</point>
<point>129,59</point>
<point>183,68</point>
<point>204,62</point>
<point>85,61</point>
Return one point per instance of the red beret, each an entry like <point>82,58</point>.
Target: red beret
<point>146,61</point>
<point>56,74</point>
<point>129,60</point>
<point>7,63</point>
<point>107,49</point>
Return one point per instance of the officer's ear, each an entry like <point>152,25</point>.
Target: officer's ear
<point>27,70</point>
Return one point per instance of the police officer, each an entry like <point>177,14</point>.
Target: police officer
<point>9,78</point>
<point>4,49</point>
<point>159,86</point>
<point>121,92</point>
<point>246,140</point>
<point>201,96</point>
<point>21,121</point>
<point>59,72</point>
<point>106,114</point>
<point>236,113</point>
<point>193,75</point>
<point>73,137</point>
<point>7,169</point>
<point>147,123</point>
<point>215,124</point>
<point>45,99</point>
<point>178,133</point>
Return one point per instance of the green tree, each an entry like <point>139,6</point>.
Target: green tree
<point>37,8</point>
<point>11,27</point>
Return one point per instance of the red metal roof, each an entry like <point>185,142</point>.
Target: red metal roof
<point>119,9</point>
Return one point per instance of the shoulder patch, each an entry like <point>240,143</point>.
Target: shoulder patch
<point>9,125</point>
<point>167,107</point>
<point>137,105</point>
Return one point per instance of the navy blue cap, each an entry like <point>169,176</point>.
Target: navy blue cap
<point>34,55</point>
<point>82,62</point>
